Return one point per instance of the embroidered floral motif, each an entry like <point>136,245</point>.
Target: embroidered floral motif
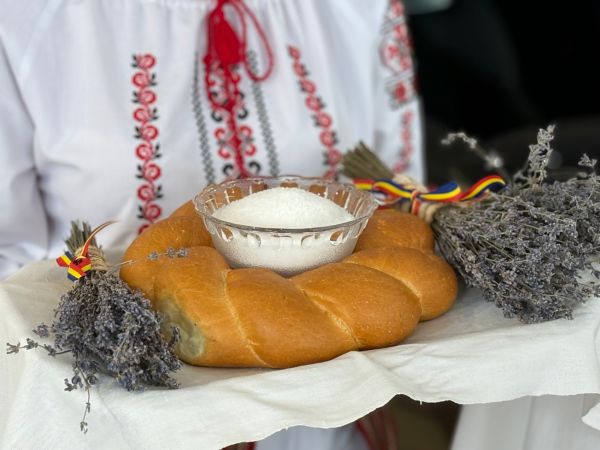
<point>148,150</point>
<point>263,118</point>
<point>396,55</point>
<point>235,141</point>
<point>322,120</point>
<point>407,145</point>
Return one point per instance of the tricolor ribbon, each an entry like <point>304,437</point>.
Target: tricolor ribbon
<point>80,264</point>
<point>448,193</point>
<point>76,267</point>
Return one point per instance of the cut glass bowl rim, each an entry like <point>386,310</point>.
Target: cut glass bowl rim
<point>232,183</point>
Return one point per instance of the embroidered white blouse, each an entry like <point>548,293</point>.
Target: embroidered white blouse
<point>105,110</point>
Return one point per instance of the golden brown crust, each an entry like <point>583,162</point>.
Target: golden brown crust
<point>380,310</point>
<point>187,209</point>
<point>390,227</point>
<point>430,277</point>
<point>193,290</point>
<point>175,232</point>
<point>283,327</point>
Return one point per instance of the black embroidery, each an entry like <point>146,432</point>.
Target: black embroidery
<point>209,171</point>
<point>263,119</point>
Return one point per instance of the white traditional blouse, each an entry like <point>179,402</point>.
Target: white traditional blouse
<point>124,109</point>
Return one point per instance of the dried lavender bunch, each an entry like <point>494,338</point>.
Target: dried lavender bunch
<point>527,247</point>
<point>110,329</point>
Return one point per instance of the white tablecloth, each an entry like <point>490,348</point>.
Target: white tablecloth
<point>470,355</point>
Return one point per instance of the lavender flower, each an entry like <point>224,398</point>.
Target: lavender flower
<point>41,330</point>
<point>527,246</point>
<point>111,329</point>
<point>108,329</point>
<point>13,349</point>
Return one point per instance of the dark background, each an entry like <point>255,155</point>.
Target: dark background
<point>501,69</point>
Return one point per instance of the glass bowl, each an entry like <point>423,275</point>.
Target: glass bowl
<point>287,251</point>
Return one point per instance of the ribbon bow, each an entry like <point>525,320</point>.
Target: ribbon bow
<point>225,49</point>
<point>224,44</point>
<point>447,193</point>
<point>77,267</point>
<point>80,264</point>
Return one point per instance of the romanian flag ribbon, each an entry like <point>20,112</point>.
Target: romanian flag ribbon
<point>448,193</point>
<point>78,265</point>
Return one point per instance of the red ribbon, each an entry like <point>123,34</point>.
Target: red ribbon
<point>226,48</point>
<point>224,44</point>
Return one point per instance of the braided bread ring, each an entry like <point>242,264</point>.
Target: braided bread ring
<point>257,318</point>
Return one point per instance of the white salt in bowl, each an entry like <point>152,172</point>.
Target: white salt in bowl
<point>286,250</point>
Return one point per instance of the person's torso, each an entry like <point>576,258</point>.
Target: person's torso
<point>124,129</point>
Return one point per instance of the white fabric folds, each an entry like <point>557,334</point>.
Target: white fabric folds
<point>470,355</point>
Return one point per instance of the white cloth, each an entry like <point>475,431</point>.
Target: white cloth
<point>302,438</point>
<point>530,423</point>
<point>470,355</point>
<point>70,71</point>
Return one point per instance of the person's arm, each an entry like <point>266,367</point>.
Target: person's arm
<point>399,133</point>
<point>23,225</point>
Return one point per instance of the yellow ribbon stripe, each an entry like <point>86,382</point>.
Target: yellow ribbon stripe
<point>449,192</point>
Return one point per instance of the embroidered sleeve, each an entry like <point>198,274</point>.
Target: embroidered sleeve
<point>399,123</point>
<point>397,56</point>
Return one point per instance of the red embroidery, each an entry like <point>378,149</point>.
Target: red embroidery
<point>148,149</point>
<point>396,55</point>
<point>407,144</point>
<point>235,142</point>
<point>226,52</point>
<point>323,120</point>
